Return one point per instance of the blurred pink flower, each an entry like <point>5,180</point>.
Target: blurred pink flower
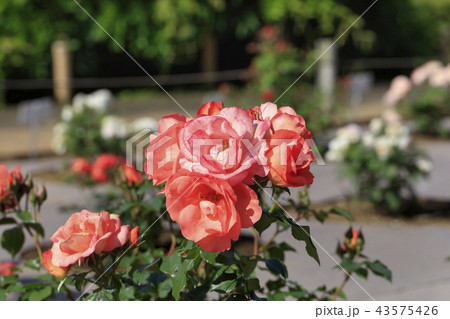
<point>423,72</point>
<point>400,86</point>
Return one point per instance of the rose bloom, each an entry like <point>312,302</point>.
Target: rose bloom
<point>289,155</point>
<point>228,146</point>
<point>210,212</point>
<point>86,233</point>
<point>102,165</point>
<point>6,180</point>
<point>6,268</point>
<point>163,152</point>
<point>58,272</point>
<point>289,158</point>
<point>131,175</point>
<point>81,166</point>
<point>210,108</point>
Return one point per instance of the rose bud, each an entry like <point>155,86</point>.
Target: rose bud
<point>58,272</point>
<point>134,236</point>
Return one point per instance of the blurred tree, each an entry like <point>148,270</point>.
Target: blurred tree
<point>168,32</point>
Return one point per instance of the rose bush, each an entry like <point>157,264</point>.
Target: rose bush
<point>213,175</point>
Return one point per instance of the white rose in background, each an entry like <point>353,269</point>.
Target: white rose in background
<point>66,113</point>
<point>376,125</point>
<point>58,141</point>
<point>113,127</point>
<point>424,165</point>
<point>143,123</point>
<point>100,101</point>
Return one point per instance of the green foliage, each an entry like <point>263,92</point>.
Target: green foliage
<point>427,108</point>
<point>382,163</point>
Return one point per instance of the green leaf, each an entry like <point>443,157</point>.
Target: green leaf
<point>157,203</point>
<point>380,269</point>
<point>349,265</point>
<point>12,240</point>
<point>38,295</point>
<point>7,220</point>
<point>225,283</point>
<point>127,293</point>
<point>276,266</point>
<point>342,212</point>
<point>3,294</point>
<point>33,264</point>
<point>37,227</point>
<point>179,279</point>
<point>25,216</point>
<point>302,233</point>
<point>253,284</point>
<point>171,263</point>
<point>227,258</point>
<point>248,265</point>
<point>164,288</point>
<point>264,222</point>
<point>209,257</point>
<point>139,277</point>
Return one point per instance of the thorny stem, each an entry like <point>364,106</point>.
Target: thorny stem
<point>344,282</point>
<point>36,242</point>
<point>173,240</point>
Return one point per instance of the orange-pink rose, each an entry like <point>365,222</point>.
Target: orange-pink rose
<point>289,155</point>
<point>210,108</point>
<point>6,180</point>
<point>86,233</point>
<point>131,175</point>
<point>289,158</point>
<point>7,269</point>
<point>103,165</point>
<point>229,146</point>
<point>163,152</point>
<point>210,212</point>
<point>58,272</point>
<point>81,166</point>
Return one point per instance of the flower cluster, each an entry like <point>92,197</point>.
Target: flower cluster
<point>381,161</point>
<point>383,137</point>
<point>209,163</point>
<point>86,123</point>
<point>104,168</point>
<point>434,73</point>
<point>83,235</point>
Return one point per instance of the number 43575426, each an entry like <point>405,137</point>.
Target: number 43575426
<point>407,310</point>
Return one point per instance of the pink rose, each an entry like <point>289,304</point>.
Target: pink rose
<point>210,108</point>
<point>289,159</point>
<point>103,165</point>
<point>6,269</point>
<point>6,180</point>
<point>290,154</point>
<point>81,166</point>
<point>228,146</point>
<point>210,212</point>
<point>163,152</point>
<point>131,175</point>
<point>86,233</point>
<point>58,272</point>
